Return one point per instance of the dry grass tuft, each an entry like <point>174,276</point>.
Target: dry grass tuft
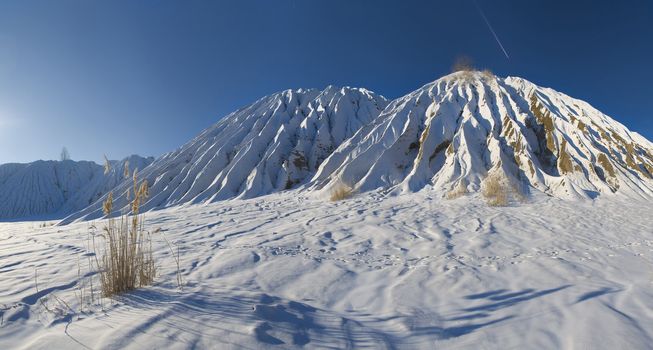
<point>458,191</point>
<point>341,191</point>
<point>498,190</point>
<point>107,205</point>
<point>495,190</point>
<point>127,262</point>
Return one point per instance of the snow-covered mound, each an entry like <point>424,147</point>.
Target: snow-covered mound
<point>452,133</point>
<point>57,188</point>
<point>274,144</point>
<point>449,135</point>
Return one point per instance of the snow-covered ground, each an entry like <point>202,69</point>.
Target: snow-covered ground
<point>289,270</point>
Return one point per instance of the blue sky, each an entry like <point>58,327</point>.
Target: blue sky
<point>123,77</point>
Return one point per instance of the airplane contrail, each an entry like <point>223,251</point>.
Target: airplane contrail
<point>496,37</point>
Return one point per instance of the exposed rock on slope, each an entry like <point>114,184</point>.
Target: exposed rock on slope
<point>52,189</point>
<point>274,144</point>
<point>452,133</point>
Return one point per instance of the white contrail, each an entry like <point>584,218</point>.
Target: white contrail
<point>491,29</point>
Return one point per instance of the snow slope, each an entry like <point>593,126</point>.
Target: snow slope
<point>449,135</point>
<point>409,271</point>
<point>56,188</point>
<point>455,131</point>
<point>274,144</point>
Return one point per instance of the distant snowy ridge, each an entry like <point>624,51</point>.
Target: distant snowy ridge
<point>455,131</point>
<point>274,144</point>
<point>53,189</point>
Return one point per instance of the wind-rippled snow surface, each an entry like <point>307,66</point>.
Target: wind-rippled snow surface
<point>410,271</point>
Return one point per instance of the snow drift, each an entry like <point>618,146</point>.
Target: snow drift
<point>452,133</point>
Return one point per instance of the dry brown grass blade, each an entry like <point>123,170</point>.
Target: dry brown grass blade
<point>340,191</point>
<point>495,191</point>
<point>128,262</point>
<point>458,191</point>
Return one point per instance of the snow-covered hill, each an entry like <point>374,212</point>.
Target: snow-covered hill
<point>274,144</point>
<point>452,133</point>
<point>57,188</point>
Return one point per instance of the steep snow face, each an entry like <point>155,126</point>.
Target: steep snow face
<point>452,133</point>
<point>55,189</point>
<point>274,144</point>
